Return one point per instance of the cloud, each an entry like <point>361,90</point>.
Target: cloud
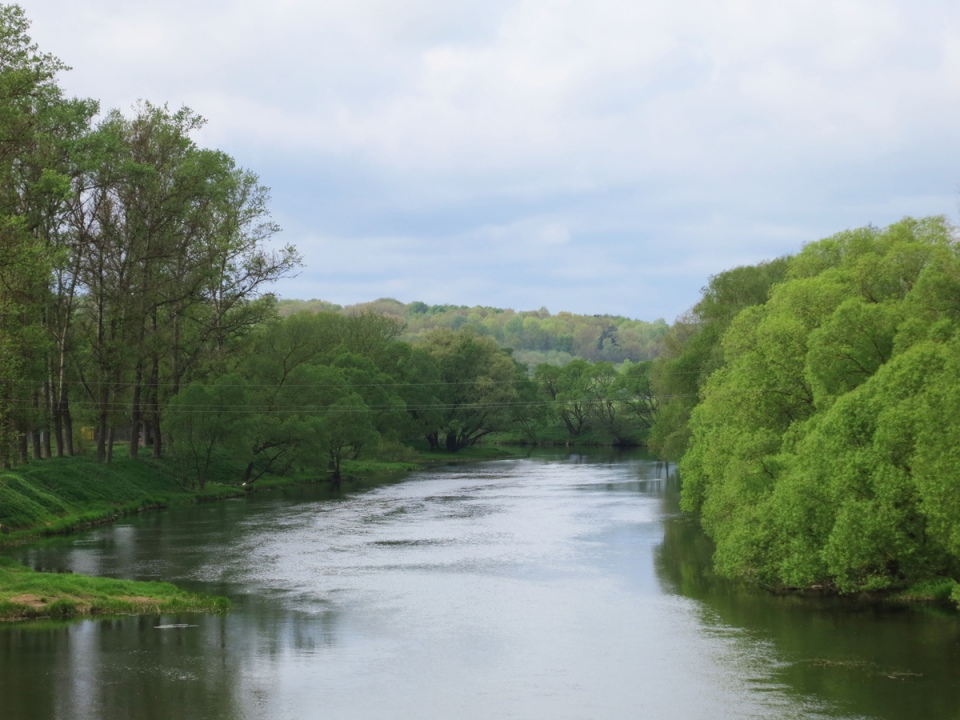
<point>636,142</point>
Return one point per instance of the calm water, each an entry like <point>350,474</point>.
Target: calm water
<point>564,587</point>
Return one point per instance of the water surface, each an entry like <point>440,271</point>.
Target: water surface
<point>553,587</point>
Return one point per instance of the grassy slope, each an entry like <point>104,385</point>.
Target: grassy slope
<point>61,494</point>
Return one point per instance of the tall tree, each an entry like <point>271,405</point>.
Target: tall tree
<point>33,116</point>
<point>174,262</point>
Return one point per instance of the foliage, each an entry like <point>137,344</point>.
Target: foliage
<point>692,349</point>
<point>535,336</point>
<point>481,388</point>
<point>596,402</point>
<point>823,449</point>
<point>131,260</point>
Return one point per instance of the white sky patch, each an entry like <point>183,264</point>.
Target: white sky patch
<point>512,147</point>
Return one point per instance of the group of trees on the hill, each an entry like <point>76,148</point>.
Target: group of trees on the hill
<point>534,336</point>
<point>823,450</point>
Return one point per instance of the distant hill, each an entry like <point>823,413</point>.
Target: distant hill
<point>535,336</point>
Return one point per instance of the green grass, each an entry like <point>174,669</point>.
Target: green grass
<point>936,590</point>
<point>59,495</point>
<point>26,594</point>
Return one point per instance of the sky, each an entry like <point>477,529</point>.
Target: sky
<point>593,156</point>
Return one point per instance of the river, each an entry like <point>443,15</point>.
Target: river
<point>557,586</point>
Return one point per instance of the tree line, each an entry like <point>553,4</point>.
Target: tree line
<point>535,336</point>
<point>131,260</point>
<point>312,389</point>
<point>814,402</point>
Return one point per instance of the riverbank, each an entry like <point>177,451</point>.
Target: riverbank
<point>61,495</point>
<point>58,496</point>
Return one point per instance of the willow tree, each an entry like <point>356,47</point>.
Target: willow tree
<point>822,448</point>
<point>482,388</point>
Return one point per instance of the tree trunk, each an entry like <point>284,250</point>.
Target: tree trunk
<point>452,445</point>
<point>109,446</point>
<point>56,413</point>
<point>67,421</point>
<point>47,395</point>
<point>22,447</point>
<point>335,478</point>
<point>53,398</point>
<point>33,432</point>
<point>102,426</point>
<point>155,400</point>
<point>4,450</point>
<point>135,412</point>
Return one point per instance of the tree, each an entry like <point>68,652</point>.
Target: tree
<point>31,111</point>
<point>568,390</point>
<point>692,349</point>
<point>207,420</point>
<point>173,262</point>
<point>482,388</point>
<point>818,455</point>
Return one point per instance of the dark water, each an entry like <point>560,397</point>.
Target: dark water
<point>564,587</point>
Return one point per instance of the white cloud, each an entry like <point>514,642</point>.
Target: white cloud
<point>725,129</point>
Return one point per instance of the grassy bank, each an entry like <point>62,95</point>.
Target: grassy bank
<point>26,594</point>
<point>59,495</point>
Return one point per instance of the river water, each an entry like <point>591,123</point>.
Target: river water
<point>561,586</point>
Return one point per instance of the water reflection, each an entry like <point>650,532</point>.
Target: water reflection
<point>558,586</point>
<point>865,659</point>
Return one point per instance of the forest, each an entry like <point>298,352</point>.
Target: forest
<point>535,336</point>
<point>812,401</point>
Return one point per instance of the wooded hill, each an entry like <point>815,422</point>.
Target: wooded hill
<point>535,336</point>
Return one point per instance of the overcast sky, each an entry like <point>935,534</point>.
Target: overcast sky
<point>597,156</point>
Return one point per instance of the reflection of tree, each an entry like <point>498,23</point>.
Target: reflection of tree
<point>682,560</point>
<point>127,668</point>
<point>871,660</point>
<point>28,659</point>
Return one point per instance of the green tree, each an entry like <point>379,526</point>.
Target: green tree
<point>483,390</point>
<point>207,421</point>
<point>31,108</point>
<point>692,350</point>
<point>817,455</point>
